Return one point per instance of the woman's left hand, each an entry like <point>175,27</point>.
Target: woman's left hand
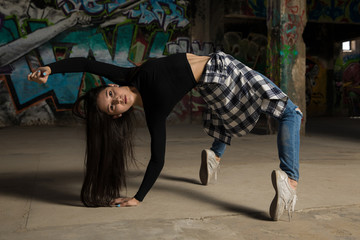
<point>125,202</point>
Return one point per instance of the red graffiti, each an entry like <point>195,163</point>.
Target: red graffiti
<point>294,23</point>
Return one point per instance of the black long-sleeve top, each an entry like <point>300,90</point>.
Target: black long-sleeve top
<point>161,82</point>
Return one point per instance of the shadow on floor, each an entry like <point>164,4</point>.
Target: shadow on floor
<point>235,208</point>
<point>53,187</point>
<point>64,188</point>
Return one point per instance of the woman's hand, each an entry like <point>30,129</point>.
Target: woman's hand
<point>40,75</point>
<point>125,202</point>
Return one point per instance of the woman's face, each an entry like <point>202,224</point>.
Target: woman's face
<point>115,100</point>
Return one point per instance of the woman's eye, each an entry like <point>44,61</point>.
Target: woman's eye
<point>112,107</point>
<point>110,93</point>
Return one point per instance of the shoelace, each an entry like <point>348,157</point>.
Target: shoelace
<point>290,206</point>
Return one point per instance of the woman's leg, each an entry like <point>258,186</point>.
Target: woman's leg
<point>285,181</point>
<point>210,161</point>
<point>289,140</point>
<point>218,148</point>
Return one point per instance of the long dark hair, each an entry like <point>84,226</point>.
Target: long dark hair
<point>109,148</point>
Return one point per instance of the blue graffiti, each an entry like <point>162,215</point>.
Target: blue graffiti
<point>354,10</point>
<point>334,10</point>
<point>154,11</point>
<point>92,7</point>
<point>321,9</point>
<point>2,19</point>
<point>9,31</point>
<point>350,57</point>
<point>162,12</point>
<point>259,7</point>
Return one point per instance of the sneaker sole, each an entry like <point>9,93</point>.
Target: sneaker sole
<point>274,204</point>
<point>204,173</point>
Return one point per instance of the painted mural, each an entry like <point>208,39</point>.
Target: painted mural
<point>316,86</point>
<point>120,32</point>
<point>288,28</point>
<point>347,84</point>
<point>333,11</point>
<point>250,49</point>
<point>317,10</point>
<point>253,8</point>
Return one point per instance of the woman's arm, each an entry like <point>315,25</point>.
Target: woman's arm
<point>115,73</point>
<point>80,64</point>
<point>157,130</point>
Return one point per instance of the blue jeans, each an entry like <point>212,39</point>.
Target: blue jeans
<point>288,141</point>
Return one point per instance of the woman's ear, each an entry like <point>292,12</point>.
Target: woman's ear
<point>117,116</point>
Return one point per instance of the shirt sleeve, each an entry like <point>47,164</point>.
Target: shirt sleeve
<point>79,64</point>
<point>157,130</point>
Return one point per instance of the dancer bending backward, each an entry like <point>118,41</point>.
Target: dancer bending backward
<point>235,96</point>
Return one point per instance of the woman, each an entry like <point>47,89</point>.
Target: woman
<point>234,93</point>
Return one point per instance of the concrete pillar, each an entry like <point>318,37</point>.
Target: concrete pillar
<point>286,55</point>
<point>208,22</point>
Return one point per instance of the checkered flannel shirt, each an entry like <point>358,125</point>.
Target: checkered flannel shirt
<point>235,96</point>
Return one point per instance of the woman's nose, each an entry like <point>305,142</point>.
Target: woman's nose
<point>117,100</point>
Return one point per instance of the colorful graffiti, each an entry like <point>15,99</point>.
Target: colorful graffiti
<point>163,12</point>
<point>348,84</point>
<point>253,8</point>
<point>316,87</point>
<point>334,11</point>
<point>119,32</point>
<point>286,30</point>
<point>184,45</point>
<point>250,49</point>
<point>323,10</point>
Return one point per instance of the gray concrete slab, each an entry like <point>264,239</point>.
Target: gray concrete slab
<point>41,171</point>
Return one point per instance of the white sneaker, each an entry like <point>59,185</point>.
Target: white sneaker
<point>209,166</point>
<point>285,197</point>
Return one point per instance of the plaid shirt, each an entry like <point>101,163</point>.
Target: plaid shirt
<point>236,95</point>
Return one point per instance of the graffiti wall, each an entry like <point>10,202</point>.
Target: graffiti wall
<point>249,49</point>
<point>286,25</point>
<point>347,84</point>
<point>125,33</point>
<point>333,11</point>
<point>319,10</point>
<point>316,86</point>
<point>253,8</point>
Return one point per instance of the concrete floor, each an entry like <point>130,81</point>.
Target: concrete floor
<point>41,171</point>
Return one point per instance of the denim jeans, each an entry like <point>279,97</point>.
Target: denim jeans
<point>288,141</point>
<point>218,147</point>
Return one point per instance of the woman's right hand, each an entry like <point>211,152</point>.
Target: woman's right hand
<point>40,75</point>
<point>118,201</point>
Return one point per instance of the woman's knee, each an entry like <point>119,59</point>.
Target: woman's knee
<point>291,112</point>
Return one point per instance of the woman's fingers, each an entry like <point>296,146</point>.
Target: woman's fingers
<point>125,202</point>
<point>130,203</point>
<point>38,76</point>
<point>118,201</point>
<point>32,77</point>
